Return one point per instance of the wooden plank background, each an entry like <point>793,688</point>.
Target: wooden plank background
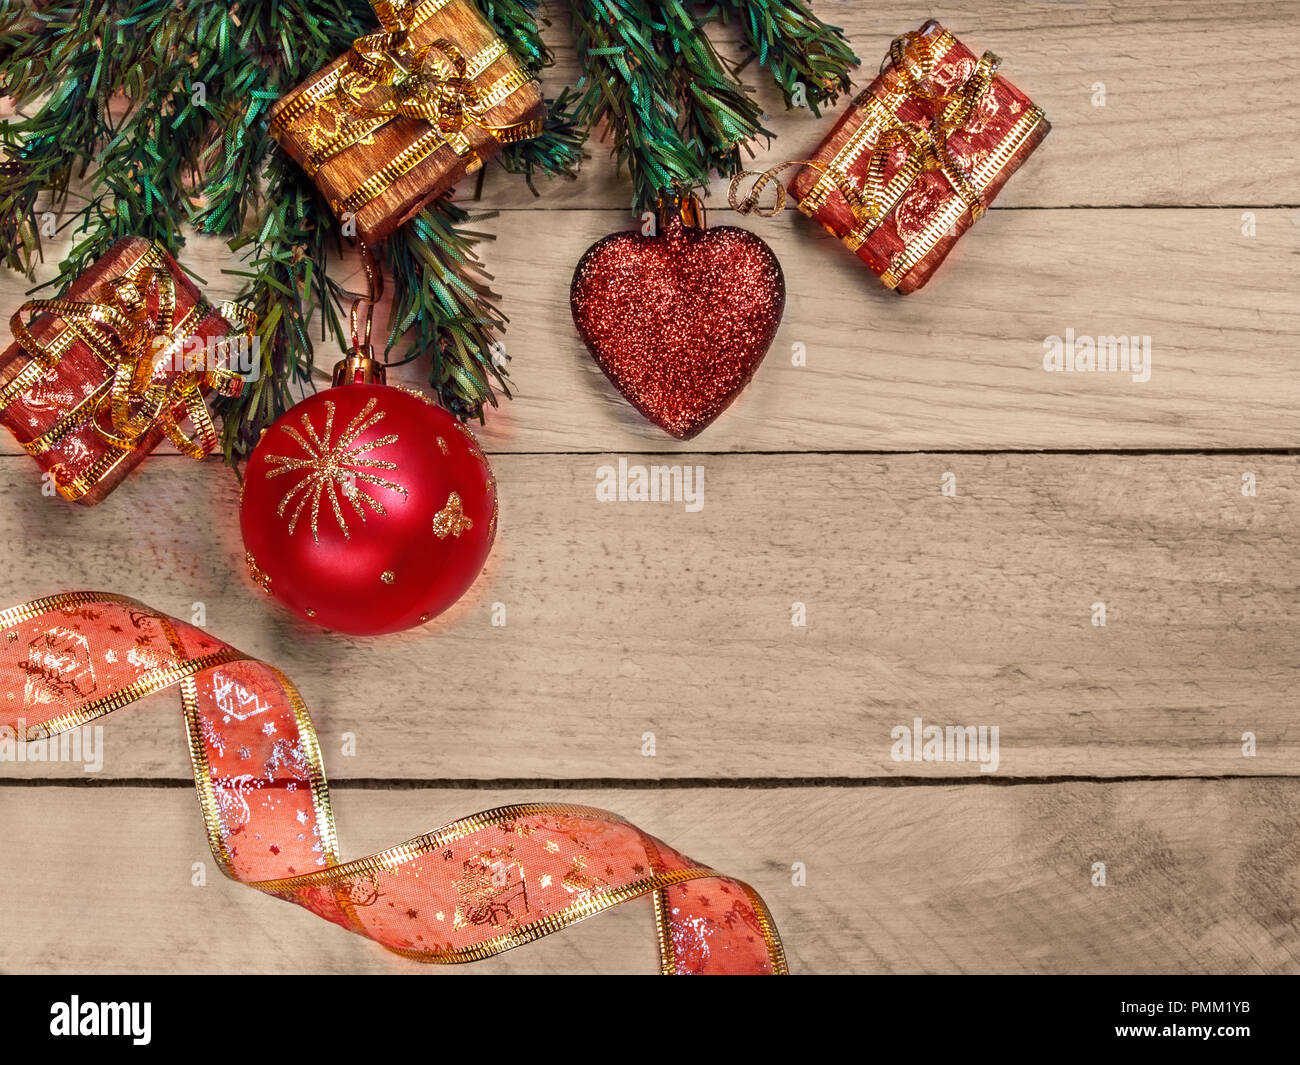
<point>1173,210</point>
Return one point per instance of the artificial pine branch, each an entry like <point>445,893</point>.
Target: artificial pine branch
<point>24,48</point>
<point>24,60</point>
<point>164,104</point>
<point>796,46</point>
<point>262,53</point>
<point>259,56</point>
<point>557,150</point>
<point>520,22</point>
<point>444,307</point>
<point>676,113</point>
<point>626,82</point>
<point>45,148</point>
<point>718,112</point>
<point>285,286</point>
<point>190,85</point>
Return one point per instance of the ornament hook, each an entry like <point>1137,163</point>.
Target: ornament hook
<point>375,286</point>
<point>360,367</point>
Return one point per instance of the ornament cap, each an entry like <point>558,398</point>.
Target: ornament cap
<point>680,210</point>
<point>692,212</point>
<point>358,369</point>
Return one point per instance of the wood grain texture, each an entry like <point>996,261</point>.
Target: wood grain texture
<point>1200,878</point>
<point>627,618</point>
<point>957,366</point>
<point>622,619</point>
<point>1190,90</point>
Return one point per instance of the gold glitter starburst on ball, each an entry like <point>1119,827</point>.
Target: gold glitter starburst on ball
<point>255,571</point>
<point>334,471</point>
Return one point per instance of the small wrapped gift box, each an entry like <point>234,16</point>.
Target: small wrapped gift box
<point>406,113</point>
<point>919,156</point>
<point>97,378</point>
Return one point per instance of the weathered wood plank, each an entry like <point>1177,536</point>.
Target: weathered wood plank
<point>631,618</point>
<point>957,366</point>
<point>1186,117</point>
<point>1190,90</point>
<point>1200,878</point>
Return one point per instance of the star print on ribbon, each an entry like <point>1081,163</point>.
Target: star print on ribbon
<point>135,333</point>
<point>467,891</point>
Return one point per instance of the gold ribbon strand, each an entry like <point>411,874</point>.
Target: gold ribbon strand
<point>133,344</point>
<point>913,57</point>
<point>467,891</point>
<point>435,83</point>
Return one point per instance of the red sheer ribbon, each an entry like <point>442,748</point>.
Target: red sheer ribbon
<point>473,888</point>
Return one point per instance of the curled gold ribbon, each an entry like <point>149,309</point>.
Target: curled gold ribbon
<point>914,59</point>
<point>469,890</point>
<point>134,343</point>
<point>430,83</point>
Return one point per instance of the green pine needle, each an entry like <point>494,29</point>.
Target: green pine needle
<point>444,308</point>
<point>677,114</point>
<point>158,110</point>
<point>809,60</point>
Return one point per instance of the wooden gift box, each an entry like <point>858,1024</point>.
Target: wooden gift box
<point>353,126</point>
<point>60,415</point>
<point>931,91</point>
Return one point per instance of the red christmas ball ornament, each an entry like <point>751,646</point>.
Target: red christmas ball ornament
<point>680,320</point>
<point>367,509</point>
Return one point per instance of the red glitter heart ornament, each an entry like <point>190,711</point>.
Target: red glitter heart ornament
<point>679,321</point>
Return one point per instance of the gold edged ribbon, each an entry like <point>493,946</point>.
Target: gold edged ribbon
<point>133,344</point>
<point>435,83</point>
<point>467,891</point>
<point>914,58</point>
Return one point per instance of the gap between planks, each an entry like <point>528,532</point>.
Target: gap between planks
<point>665,784</point>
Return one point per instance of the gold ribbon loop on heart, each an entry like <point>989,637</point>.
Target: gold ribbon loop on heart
<point>136,344</point>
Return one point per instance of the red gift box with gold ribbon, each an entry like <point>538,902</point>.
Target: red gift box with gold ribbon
<point>96,379</point>
<point>919,156</point>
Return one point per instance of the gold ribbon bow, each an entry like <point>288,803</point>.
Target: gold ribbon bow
<point>134,344</point>
<point>430,83</point>
<point>434,83</point>
<point>913,57</point>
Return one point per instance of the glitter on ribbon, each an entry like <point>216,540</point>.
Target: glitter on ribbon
<point>471,889</point>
